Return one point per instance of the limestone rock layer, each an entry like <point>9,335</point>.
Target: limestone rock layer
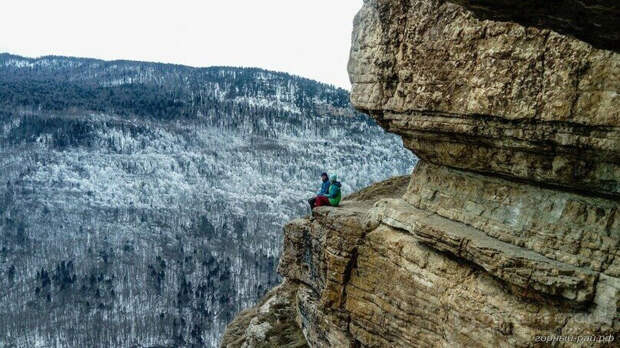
<point>507,232</point>
<point>594,21</point>
<point>491,97</point>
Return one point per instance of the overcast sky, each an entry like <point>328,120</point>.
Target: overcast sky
<point>310,38</point>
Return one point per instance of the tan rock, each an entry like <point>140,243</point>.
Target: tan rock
<point>491,97</point>
<point>594,21</point>
<point>570,228</point>
<point>508,231</point>
<point>270,324</point>
<point>392,275</point>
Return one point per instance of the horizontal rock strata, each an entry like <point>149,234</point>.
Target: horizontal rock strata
<point>509,227</point>
<point>491,97</point>
<point>394,275</point>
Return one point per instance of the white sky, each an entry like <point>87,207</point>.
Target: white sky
<point>310,38</point>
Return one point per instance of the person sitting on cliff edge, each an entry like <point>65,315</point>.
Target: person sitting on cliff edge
<point>333,196</point>
<point>321,192</point>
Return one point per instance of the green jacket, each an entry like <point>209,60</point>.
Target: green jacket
<point>334,193</point>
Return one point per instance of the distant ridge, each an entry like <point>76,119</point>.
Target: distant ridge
<point>4,56</point>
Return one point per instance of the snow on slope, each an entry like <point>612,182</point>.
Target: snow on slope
<point>123,225</point>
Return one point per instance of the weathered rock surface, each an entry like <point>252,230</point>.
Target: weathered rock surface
<point>379,272</point>
<point>270,324</point>
<point>509,228</point>
<point>491,97</point>
<point>594,21</point>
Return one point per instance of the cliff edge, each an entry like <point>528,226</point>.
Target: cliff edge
<point>507,232</point>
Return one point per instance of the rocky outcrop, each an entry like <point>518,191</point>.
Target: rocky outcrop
<point>270,324</point>
<point>491,97</point>
<point>508,230</point>
<point>594,21</point>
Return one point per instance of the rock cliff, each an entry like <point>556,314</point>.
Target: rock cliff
<point>507,232</point>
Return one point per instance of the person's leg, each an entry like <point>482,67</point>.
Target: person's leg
<point>312,201</point>
<point>321,201</point>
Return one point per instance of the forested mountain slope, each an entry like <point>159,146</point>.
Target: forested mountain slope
<point>141,204</point>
